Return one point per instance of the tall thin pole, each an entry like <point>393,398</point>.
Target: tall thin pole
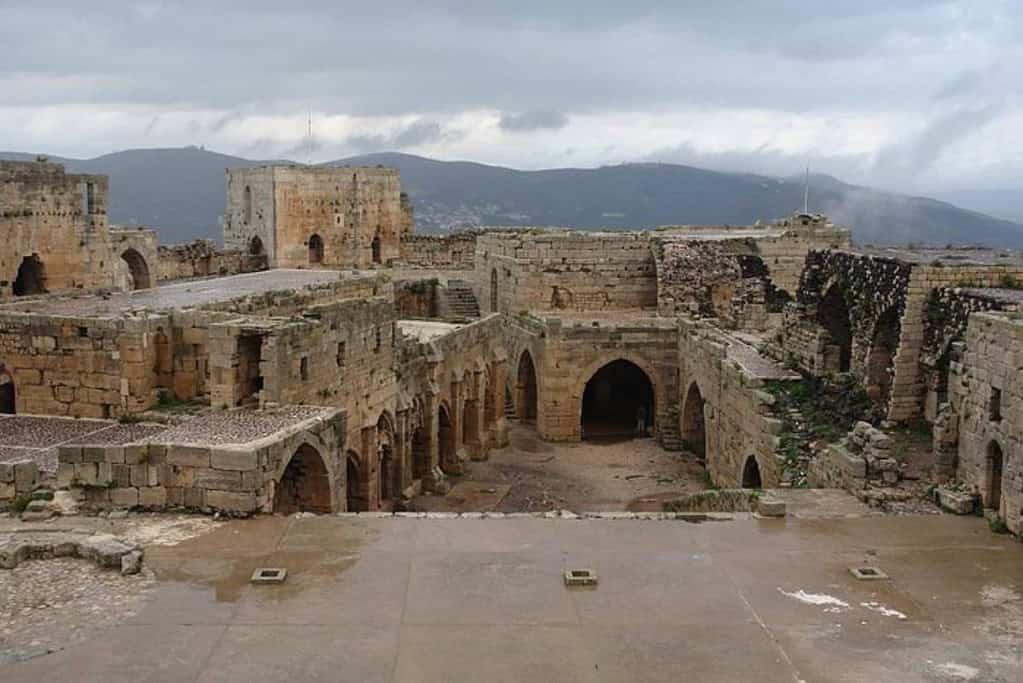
<point>309,139</point>
<point>806,191</point>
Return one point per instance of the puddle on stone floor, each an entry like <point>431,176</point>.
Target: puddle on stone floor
<point>225,558</point>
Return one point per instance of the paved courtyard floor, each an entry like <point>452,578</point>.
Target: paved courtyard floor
<point>402,599</point>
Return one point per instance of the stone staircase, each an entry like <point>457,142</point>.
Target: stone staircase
<point>509,407</point>
<point>668,432</point>
<point>459,303</point>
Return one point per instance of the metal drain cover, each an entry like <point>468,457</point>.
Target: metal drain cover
<point>867,573</point>
<point>269,575</point>
<point>580,577</point>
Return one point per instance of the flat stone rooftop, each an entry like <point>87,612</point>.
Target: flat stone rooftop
<point>953,256</point>
<point>37,437</point>
<point>188,294</point>
<point>375,599</point>
<point>425,330</point>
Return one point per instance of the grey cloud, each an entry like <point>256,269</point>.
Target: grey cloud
<point>536,119</point>
<point>421,132</point>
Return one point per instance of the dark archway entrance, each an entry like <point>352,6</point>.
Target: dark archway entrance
<point>881,359</point>
<point>305,484</point>
<point>420,453</point>
<point>315,249</point>
<point>493,290</point>
<point>138,270</point>
<point>445,440</point>
<point>618,401</point>
<point>993,489</point>
<point>751,474</point>
<point>8,402</point>
<point>694,435</point>
<point>31,277</point>
<point>353,484</point>
<point>386,466</point>
<point>490,401</point>
<point>255,246</point>
<point>375,249</point>
<point>525,403</point>
<point>833,316</point>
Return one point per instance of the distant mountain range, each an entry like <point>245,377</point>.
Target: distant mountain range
<point>181,193</point>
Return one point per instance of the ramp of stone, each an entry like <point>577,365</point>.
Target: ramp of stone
<point>105,550</point>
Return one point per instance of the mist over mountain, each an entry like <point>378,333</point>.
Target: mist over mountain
<point>181,193</point>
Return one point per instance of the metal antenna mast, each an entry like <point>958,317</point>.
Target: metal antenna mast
<point>806,191</point>
<point>309,139</point>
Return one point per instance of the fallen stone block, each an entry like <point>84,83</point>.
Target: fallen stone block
<point>957,502</point>
<point>769,506</point>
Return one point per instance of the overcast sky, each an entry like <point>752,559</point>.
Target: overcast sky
<point>914,95</point>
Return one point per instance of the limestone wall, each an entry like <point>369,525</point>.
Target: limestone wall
<point>202,258</point>
<point>59,220</point>
<point>456,251</point>
<point>350,209</point>
<point>986,393</point>
<point>81,367</point>
<point>737,420</point>
<point>567,354</point>
<point>202,475</point>
<point>553,270</point>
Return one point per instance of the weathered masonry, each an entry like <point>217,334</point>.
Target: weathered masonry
<point>317,217</point>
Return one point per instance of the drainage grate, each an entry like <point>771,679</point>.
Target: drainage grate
<point>269,575</point>
<point>867,573</point>
<point>580,577</point>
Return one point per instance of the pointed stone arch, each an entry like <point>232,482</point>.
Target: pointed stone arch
<point>526,394</point>
<point>751,478</point>
<point>833,315</point>
<point>31,277</point>
<point>315,249</point>
<point>694,433</point>
<point>138,269</point>
<point>618,400</point>
<point>8,397</point>
<point>305,485</point>
<point>355,497</point>
<point>881,357</point>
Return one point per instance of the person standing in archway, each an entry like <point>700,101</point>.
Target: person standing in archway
<point>641,421</point>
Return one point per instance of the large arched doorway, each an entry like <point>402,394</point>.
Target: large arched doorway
<point>618,401</point>
<point>354,496</point>
<point>993,477</point>
<point>420,453</point>
<point>881,359</point>
<point>525,400</point>
<point>8,404</point>
<point>833,316</point>
<point>751,474</point>
<point>694,435</point>
<point>375,249</point>
<point>31,277</point>
<point>305,484</point>
<point>255,246</point>
<point>315,249</point>
<point>387,469</point>
<point>445,439</point>
<point>493,290</point>
<point>138,270</point>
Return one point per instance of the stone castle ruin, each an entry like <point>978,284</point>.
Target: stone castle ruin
<point>330,359</point>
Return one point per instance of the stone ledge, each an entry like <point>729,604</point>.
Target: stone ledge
<point>105,550</point>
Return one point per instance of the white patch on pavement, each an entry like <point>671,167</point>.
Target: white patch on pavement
<point>830,601</point>
<point>878,607</point>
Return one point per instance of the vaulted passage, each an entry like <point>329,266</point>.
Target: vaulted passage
<point>751,474</point>
<point>7,396</point>
<point>137,269</point>
<point>833,316</point>
<point>618,401</point>
<point>420,453</point>
<point>305,485</point>
<point>31,277</point>
<point>388,473</point>
<point>315,249</point>
<point>881,360</point>
<point>694,435</point>
<point>445,440</point>
<point>256,246</point>
<point>356,501</point>
<point>993,490</point>
<point>525,403</point>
